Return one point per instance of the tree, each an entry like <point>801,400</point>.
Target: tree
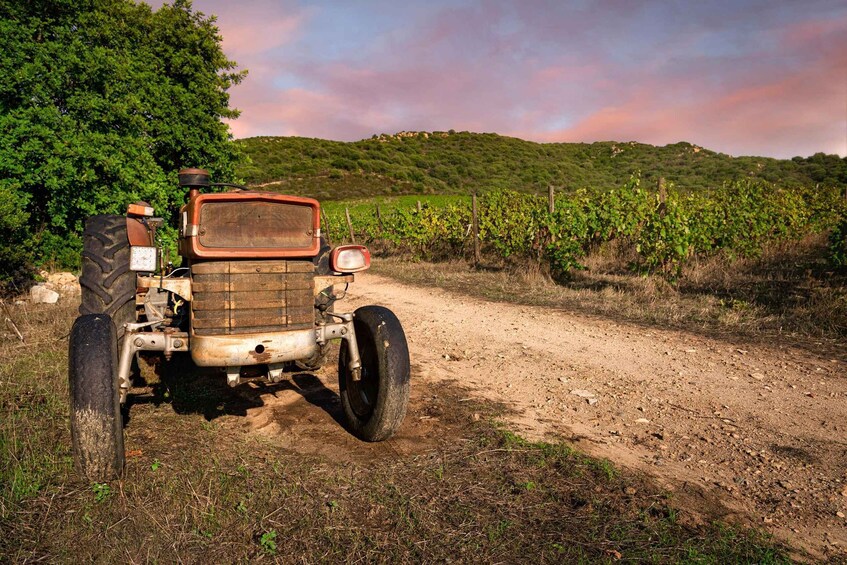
<point>101,102</point>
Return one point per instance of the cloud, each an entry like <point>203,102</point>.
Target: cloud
<point>775,111</point>
<point>759,79</point>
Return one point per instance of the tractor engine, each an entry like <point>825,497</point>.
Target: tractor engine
<point>252,264</point>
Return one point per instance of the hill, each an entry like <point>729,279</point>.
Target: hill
<point>463,162</point>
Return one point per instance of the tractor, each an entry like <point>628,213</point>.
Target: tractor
<point>255,294</point>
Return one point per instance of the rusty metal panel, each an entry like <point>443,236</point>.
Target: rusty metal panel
<point>246,300</point>
<point>255,224</point>
<point>245,267</point>
<point>234,297</point>
<point>264,345</point>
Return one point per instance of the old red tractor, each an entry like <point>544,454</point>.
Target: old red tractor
<point>257,287</point>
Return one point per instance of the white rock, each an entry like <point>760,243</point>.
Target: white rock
<point>583,393</point>
<point>40,294</point>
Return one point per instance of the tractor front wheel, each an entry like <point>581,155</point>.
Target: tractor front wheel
<point>96,421</point>
<point>375,404</point>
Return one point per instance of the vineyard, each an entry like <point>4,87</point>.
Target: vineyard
<point>667,228</point>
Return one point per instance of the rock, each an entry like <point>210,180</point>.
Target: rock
<point>583,393</point>
<point>757,376</point>
<point>61,279</point>
<point>64,283</point>
<point>591,401</point>
<point>642,421</point>
<point>40,294</point>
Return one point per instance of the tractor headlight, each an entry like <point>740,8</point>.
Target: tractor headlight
<point>350,258</point>
<point>144,259</point>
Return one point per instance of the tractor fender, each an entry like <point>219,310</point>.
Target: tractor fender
<point>138,232</point>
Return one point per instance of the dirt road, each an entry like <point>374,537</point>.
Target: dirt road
<point>755,431</point>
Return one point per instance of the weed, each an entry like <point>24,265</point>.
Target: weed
<point>439,473</point>
<point>496,531</point>
<point>155,465</point>
<point>102,491</point>
<point>604,466</point>
<point>268,542</point>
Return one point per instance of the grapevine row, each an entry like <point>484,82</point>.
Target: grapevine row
<point>667,228</point>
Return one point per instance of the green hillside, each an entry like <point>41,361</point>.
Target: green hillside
<point>460,163</point>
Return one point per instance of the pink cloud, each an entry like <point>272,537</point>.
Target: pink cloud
<point>241,40</point>
<point>773,112</point>
<point>779,91</point>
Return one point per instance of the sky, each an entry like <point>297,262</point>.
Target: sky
<point>743,77</point>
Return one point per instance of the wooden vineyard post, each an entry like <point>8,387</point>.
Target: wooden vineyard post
<point>420,207</point>
<point>326,227</point>
<point>379,220</point>
<point>663,195</point>
<point>349,225</point>
<point>551,206</point>
<point>475,229</point>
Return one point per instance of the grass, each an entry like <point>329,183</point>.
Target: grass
<point>787,292</point>
<point>199,487</point>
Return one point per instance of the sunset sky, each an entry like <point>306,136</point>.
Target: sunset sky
<point>741,77</point>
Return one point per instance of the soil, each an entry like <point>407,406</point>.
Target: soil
<point>745,432</point>
<point>760,427</point>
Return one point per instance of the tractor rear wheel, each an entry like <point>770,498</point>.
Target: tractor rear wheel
<point>375,405</point>
<point>96,420</point>
<point>108,286</point>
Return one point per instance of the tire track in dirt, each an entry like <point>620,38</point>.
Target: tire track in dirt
<point>759,427</point>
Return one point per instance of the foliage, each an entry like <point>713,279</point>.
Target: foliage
<point>838,241</point>
<point>666,232</point>
<point>463,163</point>
<point>101,104</point>
<point>268,542</point>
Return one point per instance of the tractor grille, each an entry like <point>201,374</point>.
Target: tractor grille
<point>256,224</point>
<point>238,297</point>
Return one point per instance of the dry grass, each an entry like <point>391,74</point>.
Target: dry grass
<point>199,488</point>
<point>786,292</point>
